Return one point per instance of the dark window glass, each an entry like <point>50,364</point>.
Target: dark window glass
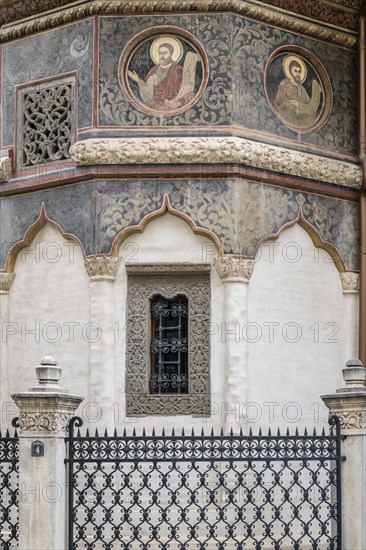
<point>169,345</point>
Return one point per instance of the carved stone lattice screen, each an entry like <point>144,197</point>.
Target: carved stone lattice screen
<point>45,122</point>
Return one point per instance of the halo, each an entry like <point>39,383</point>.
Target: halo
<point>286,66</point>
<point>177,45</point>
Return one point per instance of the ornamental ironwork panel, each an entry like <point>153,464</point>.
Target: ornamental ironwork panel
<point>45,122</point>
<point>169,345</point>
<point>9,490</point>
<point>204,492</point>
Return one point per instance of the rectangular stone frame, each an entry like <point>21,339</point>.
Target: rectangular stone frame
<point>145,281</point>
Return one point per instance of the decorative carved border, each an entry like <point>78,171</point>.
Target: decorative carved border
<point>350,282</point>
<point>175,269</point>
<point>232,268</point>
<point>215,150</point>
<point>6,280</point>
<point>44,421</point>
<point>351,420</point>
<point>249,8</point>
<point>322,11</point>
<point>45,412</point>
<point>140,289</point>
<point>6,169</point>
<point>101,267</point>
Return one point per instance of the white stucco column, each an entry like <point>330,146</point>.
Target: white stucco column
<point>349,404</point>
<point>350,285</point>
<point>235,273</point>
<point>44,413</point>
<point>6,330</point>
<point>103,337</point>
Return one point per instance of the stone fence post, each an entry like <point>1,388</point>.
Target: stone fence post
<point>44,413</point>
<point>349,404</point>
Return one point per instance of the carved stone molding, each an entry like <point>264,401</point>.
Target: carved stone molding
<point>6,280</point>
<point>44,422</point>
<point>353,420</point>
<point>101,267</point>
<point>6,169</point>
<point>234,268</point>
<point>349,404</point>
<point>45,411</point>
<point>178,269</point>
<point>318,10</point>
<point>261,12</point>
<point>350,282</point>
<point>215,150</point>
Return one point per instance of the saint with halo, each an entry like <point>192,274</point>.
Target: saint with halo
<point>168,85</point>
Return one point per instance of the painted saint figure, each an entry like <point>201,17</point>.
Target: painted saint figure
<point>292,101</point>
<point>168,85</point>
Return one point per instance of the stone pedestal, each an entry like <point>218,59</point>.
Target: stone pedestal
<point>349,404</point>
<point>44,413</point>
<point>235,274</point>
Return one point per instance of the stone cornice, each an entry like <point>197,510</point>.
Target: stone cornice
<point>250,8</point>
<point>233,268</point>
<point>350,282</point>
<point>161,269</point>
<point>212,150</point>
<point>6,169</point>
<point>351,410</point>
<point>39,412</point>
<point>344,16</point>
<point>101,267</point>
<point>6,280</point>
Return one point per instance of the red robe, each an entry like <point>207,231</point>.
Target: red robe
<point>167,88</point>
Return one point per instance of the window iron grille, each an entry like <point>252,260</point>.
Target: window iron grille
<point>169,345</point>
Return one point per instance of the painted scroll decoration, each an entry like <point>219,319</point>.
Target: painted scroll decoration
<point>298,89</point>
<point>163,71</point>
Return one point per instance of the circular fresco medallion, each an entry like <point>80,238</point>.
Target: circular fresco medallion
<point>298,89</point>
<point>163,71</point>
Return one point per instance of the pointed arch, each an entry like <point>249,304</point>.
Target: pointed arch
<point>31,232</point>
<point>314,234</point>
<point>165,208</point>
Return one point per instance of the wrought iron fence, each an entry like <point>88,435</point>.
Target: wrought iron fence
<point>202,492</point>
<point>9,490</point>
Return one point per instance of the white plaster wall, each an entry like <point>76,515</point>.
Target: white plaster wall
<point>294,294</point>
<point>168,239</point>
<point>50,290</point>
<point>297,287</point>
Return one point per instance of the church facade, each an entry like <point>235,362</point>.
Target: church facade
<point>179,207</point>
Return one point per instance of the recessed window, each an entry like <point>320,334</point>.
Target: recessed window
<point>169,345</point>
<point>168,339</point>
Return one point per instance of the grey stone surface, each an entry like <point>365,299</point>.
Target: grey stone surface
<point>44,55</point>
